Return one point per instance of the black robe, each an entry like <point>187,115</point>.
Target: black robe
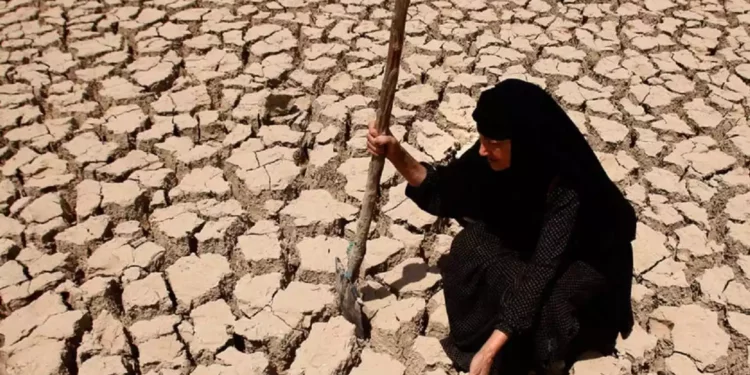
<point>549,241</point>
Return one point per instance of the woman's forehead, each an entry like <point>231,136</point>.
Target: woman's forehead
<point>490,141</point>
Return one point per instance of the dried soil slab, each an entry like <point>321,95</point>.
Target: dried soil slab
<point>649,248</point>
<point>401,208</point>
<point>11,229</point>
<point>280,134</point>
<point>318,208</point>
<point>703,114</point>
<point>158,345</point>
<point>43,209</point>
<point>123,200</point>
<point>22,157</point>
<point>232,361</point>
<point>737,207</point>
<point>411,278</point>
<point>217,63</point>
<point>265,43</point>
<point>696,333</point>
<point>37,336</point>
<point>713,282</point>
<point>212,324</point>
<point>301,303</point>
<point>668,273</point>
<point>383,253</point>
<point>38,262</point>
<point>253,293</point>
<point>662,179</point>
<point>82,238</point>
<point>16,296</point>
<point>265,329</point>
<point>693,241</point>
<point>696,155</point>
<point>39,136</point>
<point>196,279</point>
<point>377,363</point>
<point>154,179</point>
<point>663,213</point>
<point>86,148</point>
<point>122,167</point>
<point>173,226</point>
<point>206,182</point>
<point>426,354</point>
<point>44,358</point>
<point>109,365</point>
<point>96,294</point>
<point>434,141</point>
<point>601,365</point>
<point>146,297</point>
<point>106,338</point>
<point>355,171</point>
<point>375,298</point>
<point>437,320</point>
<point>97,46</point>
<point>43,233</point>
<point>122,122</point>
<point>183,155</point>
<point>258,251</point>
<point>637,344</point>
<point>251,105</point>
<point>333,341</point>
<point>395,326</point>
<point>274,171</point>
<point>440,248</point>
<point>46,171</point>
<point>115,256</point>
<point>88,198</point>
<point>219,236</point>
<point>317,257</point>
<point>8,250</point>
<point>21,323</point>
<point>150,71</point>
<point>185,100</point>
<point>11,273</point>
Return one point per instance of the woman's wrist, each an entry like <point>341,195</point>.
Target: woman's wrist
<point>495,342</point>
<point>394,152</point>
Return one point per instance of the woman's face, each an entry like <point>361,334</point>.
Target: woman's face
<point>496,152</point>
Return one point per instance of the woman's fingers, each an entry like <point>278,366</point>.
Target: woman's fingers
<point>376,142</point>
<point>374,150</point>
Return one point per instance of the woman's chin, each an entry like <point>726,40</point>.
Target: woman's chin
<point>497,166</point>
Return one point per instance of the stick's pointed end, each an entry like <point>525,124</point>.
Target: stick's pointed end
<point>350,303</point>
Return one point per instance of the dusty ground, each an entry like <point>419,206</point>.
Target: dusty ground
<point>178,175</point>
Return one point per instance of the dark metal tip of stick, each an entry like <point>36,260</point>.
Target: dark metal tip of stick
<point>348,299</point>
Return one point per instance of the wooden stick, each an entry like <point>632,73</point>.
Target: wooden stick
<point>385,105</point>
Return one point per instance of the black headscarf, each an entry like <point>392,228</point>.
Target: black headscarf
<point>546,147</point>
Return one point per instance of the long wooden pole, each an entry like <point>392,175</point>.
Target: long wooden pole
<point>382,120</point>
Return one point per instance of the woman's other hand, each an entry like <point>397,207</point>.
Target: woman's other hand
<point>380,144</point>
<point>481,364</point>
<point>482,361</point>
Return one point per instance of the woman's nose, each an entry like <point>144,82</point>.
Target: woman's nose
<point>482,150</point>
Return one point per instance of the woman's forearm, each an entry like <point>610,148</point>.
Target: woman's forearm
<point>407,166</point>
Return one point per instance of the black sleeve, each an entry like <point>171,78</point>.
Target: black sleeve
<point>523,299</point>
<point>444,190</point>
<point>428,194</point>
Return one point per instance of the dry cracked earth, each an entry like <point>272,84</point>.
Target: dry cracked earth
<point>178,176</point>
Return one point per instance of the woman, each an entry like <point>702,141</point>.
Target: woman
<point>542,269</point>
